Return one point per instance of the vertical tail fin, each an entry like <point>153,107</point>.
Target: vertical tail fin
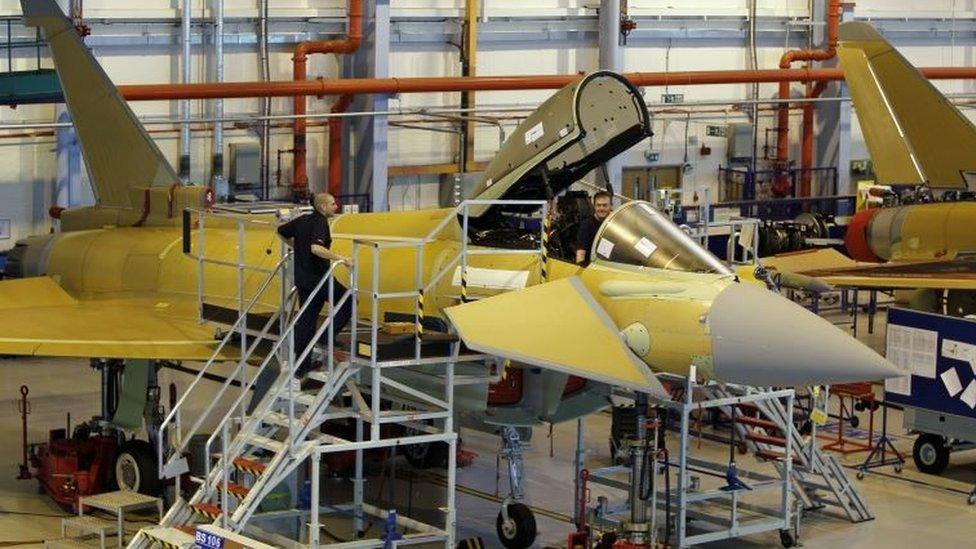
<point>913,133</point>
<point>119,153</point>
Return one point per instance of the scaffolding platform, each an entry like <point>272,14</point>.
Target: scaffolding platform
<point>725,502</point>
<point>384,384</point>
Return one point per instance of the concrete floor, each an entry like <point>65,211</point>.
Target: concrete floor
<point>912,509</point>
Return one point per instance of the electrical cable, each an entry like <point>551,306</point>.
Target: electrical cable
<point>30,514</point>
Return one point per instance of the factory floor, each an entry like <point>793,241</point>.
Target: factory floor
<point>912,509</point>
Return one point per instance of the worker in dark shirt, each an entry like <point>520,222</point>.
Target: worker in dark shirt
<point>311,239</point>
<point>589,226</point>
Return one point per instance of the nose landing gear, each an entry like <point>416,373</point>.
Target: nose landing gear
<point>515,524</point>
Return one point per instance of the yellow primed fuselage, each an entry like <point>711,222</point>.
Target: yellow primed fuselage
<point>149,262</point>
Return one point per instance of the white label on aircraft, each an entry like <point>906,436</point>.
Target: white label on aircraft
<point>604,248</point>
<point>645,247</point>
<point>534,133</point>
<point>492,279</point>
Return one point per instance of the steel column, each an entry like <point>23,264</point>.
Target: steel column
<point>365,139</point>
<point>217,176</point>
<point>611,58</point>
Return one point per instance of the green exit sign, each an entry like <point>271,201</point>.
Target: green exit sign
<point>672,98</point>
<point>715,131</point>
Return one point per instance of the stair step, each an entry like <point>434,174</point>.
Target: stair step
<point>266,443</point>
<point>208,510</point>
<point>66,543</point>
<point>766,439</point>
<point>237,490</point>
<point>249,466</point>
<point>319,375</point>
<point>170,537</point>
<point>306,399</point>
<point>90,524</point>
<point>753,407</point>
<point>756,422</point>
<point>770,455</point>
<point>276,418</point>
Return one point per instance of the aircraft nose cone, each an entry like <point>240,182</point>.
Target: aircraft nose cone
<point>761,338</point>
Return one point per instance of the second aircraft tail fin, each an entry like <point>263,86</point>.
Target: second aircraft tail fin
<point>913,133</point>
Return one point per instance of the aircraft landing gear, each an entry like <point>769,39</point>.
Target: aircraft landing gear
<point>515,524</point>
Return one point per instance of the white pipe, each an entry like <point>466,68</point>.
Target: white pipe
<point>185,104</point>
<point>219,185</point>
<point>265,102</point>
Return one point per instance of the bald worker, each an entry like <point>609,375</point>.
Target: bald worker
<point>311,239</point>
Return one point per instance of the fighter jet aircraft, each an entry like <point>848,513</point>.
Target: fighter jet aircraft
<point>115,283</point>
<point>122,256</point>
<point>920,141</point>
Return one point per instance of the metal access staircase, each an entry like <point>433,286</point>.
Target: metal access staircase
<point>269,442</point>
<point>818,478</point>
<point>251,452</point>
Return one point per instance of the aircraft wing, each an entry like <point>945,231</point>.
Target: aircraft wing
<point>838,270</point>
<point>557,325</point>
<point>37,317</point>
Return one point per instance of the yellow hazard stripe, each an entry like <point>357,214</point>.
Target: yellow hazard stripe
<point>420,313</point>
<point>545,249</point>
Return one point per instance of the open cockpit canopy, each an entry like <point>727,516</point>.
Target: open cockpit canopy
<point>580,127</point>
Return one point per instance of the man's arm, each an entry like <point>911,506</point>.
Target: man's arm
<point>321,251</point>
<point>287,233</point>
<point>582,242</point>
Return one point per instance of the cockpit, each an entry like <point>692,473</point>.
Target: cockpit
<point>638,234</point>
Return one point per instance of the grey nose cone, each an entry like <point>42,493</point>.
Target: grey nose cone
<point>761,338</point>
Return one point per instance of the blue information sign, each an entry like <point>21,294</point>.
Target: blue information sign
<point>208,540</point>
<point>940,353</point>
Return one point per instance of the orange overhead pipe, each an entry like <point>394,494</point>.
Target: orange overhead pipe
<point>299,73</point>
<point>783,119</point>
<point>335,146</point>
<point>231,90</point>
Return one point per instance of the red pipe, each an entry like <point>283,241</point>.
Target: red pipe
<point>299,74</point>
<point>355,86</point>
<point>781,186</point>
<point>335,145</point>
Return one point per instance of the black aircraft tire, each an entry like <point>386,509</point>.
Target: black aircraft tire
<point>520,531</point>
<point>135,468</point>
<point>427,455</point>
<point>931,453</point>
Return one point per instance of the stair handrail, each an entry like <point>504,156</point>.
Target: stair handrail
<point>460,258</point>
<point>171,417</point>
<point>284,336</point>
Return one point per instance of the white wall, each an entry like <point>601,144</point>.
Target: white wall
<point>29,168</point>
